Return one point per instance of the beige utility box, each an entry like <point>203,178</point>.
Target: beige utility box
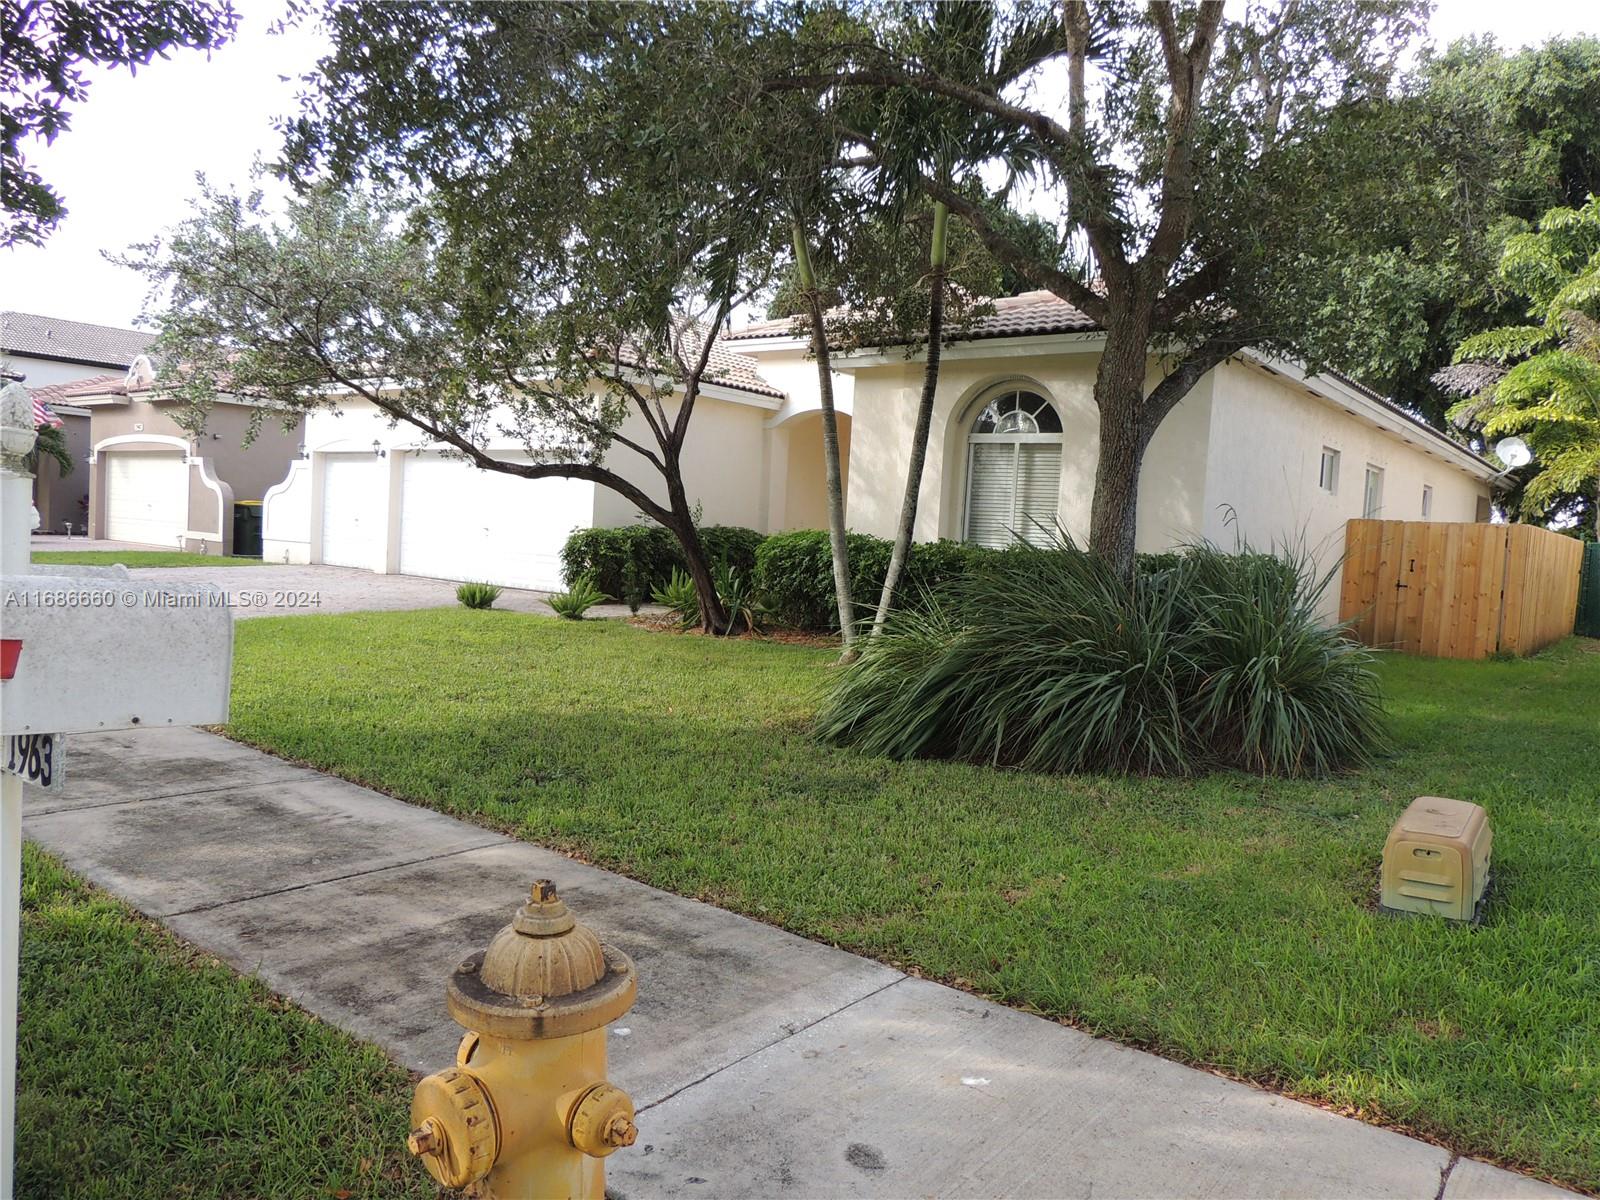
<point>1437,859</point>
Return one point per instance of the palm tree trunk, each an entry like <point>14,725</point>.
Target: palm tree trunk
<point>830,444</point>
<point>919,437</point>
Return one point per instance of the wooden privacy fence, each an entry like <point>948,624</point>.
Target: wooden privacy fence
<point>1458,590</point>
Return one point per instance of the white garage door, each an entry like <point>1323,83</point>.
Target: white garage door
<point>353,510</point>
<point>459,522</point>
<point>147,498</point>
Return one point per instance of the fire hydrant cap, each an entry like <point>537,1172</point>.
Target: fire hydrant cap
<point>542,976</point>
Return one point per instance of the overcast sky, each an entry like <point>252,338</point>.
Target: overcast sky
<point>126,167</point>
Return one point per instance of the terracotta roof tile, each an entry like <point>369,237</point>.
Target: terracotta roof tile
<point>1013,316</point>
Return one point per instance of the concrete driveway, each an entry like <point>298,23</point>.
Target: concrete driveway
<point>286,591</point>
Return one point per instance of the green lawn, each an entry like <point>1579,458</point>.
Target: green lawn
<point>1226,921</point>
<point>149,1069</point>
<point>138,558</point>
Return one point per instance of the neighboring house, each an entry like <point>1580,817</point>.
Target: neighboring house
<point>152,482</point>
<point>1257,450</point>
<point>48,353</point>
<point>380,496</point>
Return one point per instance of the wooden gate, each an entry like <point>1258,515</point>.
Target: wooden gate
<point>1458,590</point>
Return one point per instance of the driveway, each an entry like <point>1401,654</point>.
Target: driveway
<point>279,590</point>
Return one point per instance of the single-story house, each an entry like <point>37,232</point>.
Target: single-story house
<point>152,482</point>
<point>380,496</point>
<point>48,354</point>
<point>1258,450</point>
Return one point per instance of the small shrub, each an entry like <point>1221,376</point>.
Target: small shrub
<point>794,574</point>
<point>679,598</point>
<point>628,561</point>
<point>579,598</point>
<point>732,544</point>
<point>632,561</point>
<point>478,595</point>
<point>737,593</point>
<point>1045,659</point>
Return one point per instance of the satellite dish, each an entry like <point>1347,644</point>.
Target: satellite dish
<point>1513,451</point>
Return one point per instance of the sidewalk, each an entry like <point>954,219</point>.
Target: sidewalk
<point>762,1064</point>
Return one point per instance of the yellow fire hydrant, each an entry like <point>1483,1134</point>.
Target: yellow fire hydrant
<point>527,1113</point>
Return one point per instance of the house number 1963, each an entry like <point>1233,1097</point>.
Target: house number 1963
<point>36,757</point>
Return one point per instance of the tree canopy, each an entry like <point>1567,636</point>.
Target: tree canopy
<point>48,46</point>
<point>1541,378</point>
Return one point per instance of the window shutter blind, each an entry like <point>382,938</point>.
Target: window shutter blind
<point>1038,491</point>
<point>989,494</point>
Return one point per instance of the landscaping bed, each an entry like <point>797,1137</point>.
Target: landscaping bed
<point>1224,920</point>
<point>147,1068</point>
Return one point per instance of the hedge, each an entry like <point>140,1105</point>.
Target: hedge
<point>629,562</point>
<point>793,572</point>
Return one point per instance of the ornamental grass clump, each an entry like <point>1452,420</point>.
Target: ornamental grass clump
<point>1045,659</point>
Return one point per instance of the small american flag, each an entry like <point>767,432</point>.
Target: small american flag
<point>42,414</point>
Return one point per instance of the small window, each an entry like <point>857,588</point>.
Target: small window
<point>1372,497</point>
<point>1328,477</point>
<point>1427,501</point>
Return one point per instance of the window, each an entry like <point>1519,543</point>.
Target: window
<point>1328,477</point>
<point>1372,497</point>
<point>1013,470</point>
<point>1427,501</point>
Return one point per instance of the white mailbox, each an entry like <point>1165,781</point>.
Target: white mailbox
<point>101,651</point>
<point>81,651</point>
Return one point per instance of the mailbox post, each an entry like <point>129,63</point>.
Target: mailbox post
<point>87,651</point>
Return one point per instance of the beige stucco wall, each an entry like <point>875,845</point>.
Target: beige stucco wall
<point>58,497</point>
<point>1265,456</point>
<point>1171,489</point>
<point>724,466</point>
<point>230,470</point>
<point>805,473</point>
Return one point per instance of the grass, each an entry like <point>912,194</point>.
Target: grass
<point>149,1069</point>
<point>139,558</point>
<point>1224,920</point>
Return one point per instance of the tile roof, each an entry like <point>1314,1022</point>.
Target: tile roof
<point>70,341</point>
<point>98,385</point>
<point>1012,316</point>
<point>61,393</point>
<point>723,366</point>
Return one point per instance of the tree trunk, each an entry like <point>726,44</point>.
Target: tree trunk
<point>1119,395</point>
<point>919,436</point>
<point>830,445</point>
<point>713,617</point>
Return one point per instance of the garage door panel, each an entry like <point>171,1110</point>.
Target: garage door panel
<point>147,498</point>
<point>353,510</point>
<point>460,522</point>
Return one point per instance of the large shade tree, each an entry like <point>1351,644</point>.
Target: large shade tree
<point>1226,172</point>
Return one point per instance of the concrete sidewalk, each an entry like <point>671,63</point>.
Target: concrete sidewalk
<point>762,1064</point>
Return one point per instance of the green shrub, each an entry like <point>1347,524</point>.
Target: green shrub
<point>627,562</point>
<point>478,595</point>
<point>738,595</point>
<point>1045,659</point>
<point>794,574</point>
<point>631,561</point>
<point>732,544</point>
<point>579,598</point>
<point>679,598</point>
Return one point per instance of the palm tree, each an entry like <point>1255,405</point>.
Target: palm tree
<point>1542,380</point>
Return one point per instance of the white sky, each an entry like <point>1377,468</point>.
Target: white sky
<point>126,167</point>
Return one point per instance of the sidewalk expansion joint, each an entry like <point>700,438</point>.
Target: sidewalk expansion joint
<point>1444,1175</point>
<point>311,883</point>
<point>774,1042</point>
<point>205,791</point>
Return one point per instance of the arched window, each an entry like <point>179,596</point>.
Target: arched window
<point>1013,469</point>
